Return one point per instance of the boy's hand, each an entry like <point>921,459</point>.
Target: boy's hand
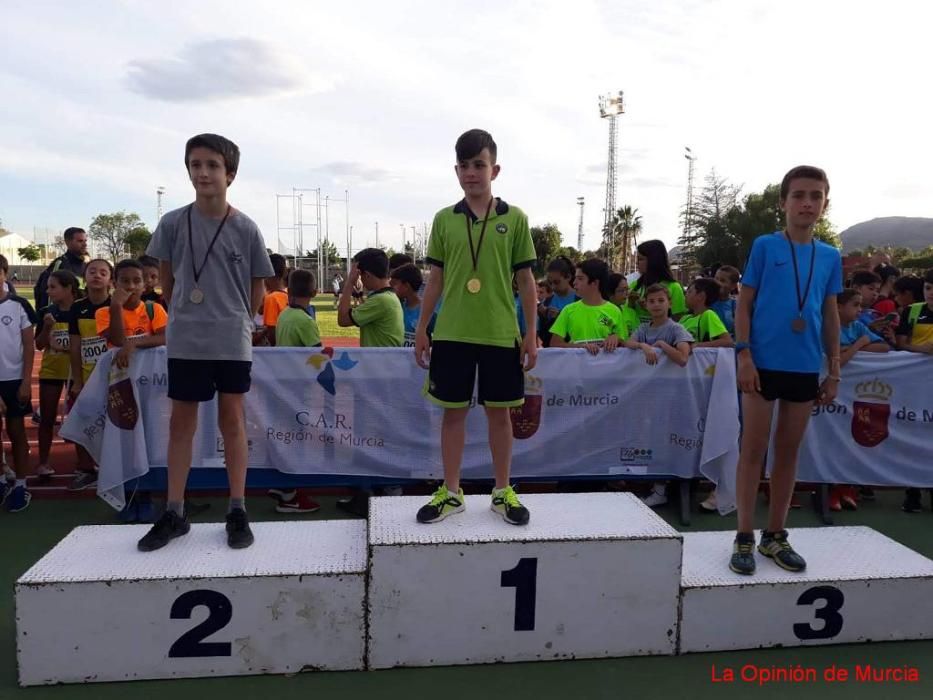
<point>119,297</point>
<point>422,349</point>
<point>591,348</point>
<point>24,393</point>
<point>76,386</point>
<point>651,357</point>
<point>354,274</point>
<point>122,359</point>
<point>551,312</point>
<point>749,381</point>
<point>612,342</point>
<point>48,320</point>
<point>529,356</point>
<point>828,390</point>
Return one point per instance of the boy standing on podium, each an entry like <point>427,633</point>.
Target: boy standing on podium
<point>786,318</point>
<point>213,268</point>
<point>476,246</point>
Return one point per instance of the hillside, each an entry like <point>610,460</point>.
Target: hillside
<point>915,233</point>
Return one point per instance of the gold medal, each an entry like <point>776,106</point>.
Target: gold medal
<point>474,285</point>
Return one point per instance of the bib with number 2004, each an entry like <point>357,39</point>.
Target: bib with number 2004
<point>92,349</point>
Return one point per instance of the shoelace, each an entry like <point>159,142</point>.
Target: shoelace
<point>744,547</point>
<point>238,518</point>
<point>440,496</point>
<point>510,498</point>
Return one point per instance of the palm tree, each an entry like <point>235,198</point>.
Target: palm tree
<point>625,230</point>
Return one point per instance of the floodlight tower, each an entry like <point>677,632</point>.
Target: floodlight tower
<point>160,192</point>
<point>610,107</point>
<point>580,225</point>
<point>688,215</point>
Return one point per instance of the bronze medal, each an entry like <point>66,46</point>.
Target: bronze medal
<point>798,325</point>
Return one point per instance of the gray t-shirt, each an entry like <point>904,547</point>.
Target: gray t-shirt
<point>219,328</point>
<point>670,332</point>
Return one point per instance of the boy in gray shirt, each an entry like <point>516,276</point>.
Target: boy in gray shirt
<point>661,332</point>
<point>213,262</point>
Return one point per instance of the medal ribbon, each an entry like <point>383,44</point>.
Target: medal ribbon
<point>482,234</point>
<point>198,270</point>
<point>802,300</point>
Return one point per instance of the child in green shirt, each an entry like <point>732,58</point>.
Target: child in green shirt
<point>592,322</point>
<point>702,322</point>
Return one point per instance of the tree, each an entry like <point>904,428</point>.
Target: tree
<point>626,225</point>
<point>331,255</point>
<point>112,230</point>
<point>705,234</point>
<point>137,241</point>
<point>31,252</point>
<point>572,253</point>
<point>547,241</point>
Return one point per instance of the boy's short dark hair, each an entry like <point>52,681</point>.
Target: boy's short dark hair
<point>655,288</point>
<point>148,261</point>
<point>863,277</point>
<point>733,272</point>
<point>709,288</point>
<point>409,274</point>
<point>810,172</point>
<point>928,276</point>
<point>597,270</point>
<point>471,143</point>
<point>563,266</point>
<point>279,265</point>
<point>374,261</point>
<point>886,272</point>
<point>70,232</point>
<point>301,283</point>
<point>399,259</point>
<point>910,284</point>
<point>66,278</point>
<point>543,282</point>
<point>846,295</point>
<point>4,265</point>
<point>128,264</point>
<point>221,145</point>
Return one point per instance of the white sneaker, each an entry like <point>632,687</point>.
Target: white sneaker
<point>8,473</point>
<point>44,470</point>
<point>657,497</point>
<point>709,505</point>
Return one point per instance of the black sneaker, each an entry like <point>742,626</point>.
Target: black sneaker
<point>239,536</point>
<point>357,504</point>
<point>166,528</point>
<point>775,546</point>
<point>743,554</point>
<point>866,493</point>
<point>912,502</point>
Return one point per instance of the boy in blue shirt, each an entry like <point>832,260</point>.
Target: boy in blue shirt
<point>786,316</point>
<point>406,281</point>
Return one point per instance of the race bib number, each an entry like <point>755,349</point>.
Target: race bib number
<point>61,341</point>
<point>92,349</point>
<point>409,339</point>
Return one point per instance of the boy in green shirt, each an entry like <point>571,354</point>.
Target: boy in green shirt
<point>591,322</point>
<point>380,316</point>
<point>476,246</point>
<point>296,328</point>
<point>704,324</point>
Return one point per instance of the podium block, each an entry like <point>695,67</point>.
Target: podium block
<point>592,575</point>
<point>859,586</point>
<point>96,609</point>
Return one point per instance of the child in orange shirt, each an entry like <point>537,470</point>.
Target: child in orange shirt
<point>129,323</point>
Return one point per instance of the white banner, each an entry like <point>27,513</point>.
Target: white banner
<point>879,430</point>
<point>351,411</point>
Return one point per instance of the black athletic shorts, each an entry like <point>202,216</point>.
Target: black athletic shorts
<point>197,380</point>
<point>796,387</point>
<point>60,383</point>
<point>455,366</point>
<point>9,395</point>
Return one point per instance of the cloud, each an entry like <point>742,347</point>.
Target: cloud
<point>222,68</point>
<point>354,171</point>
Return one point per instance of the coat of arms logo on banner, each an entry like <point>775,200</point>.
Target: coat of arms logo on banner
<point>526,419</point>
<point>871,411</point>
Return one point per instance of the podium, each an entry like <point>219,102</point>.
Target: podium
<point>592,575</point>
<point>859,586</point>
<point>96,609</point>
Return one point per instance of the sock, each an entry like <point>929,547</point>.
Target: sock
<point>237,503</point>
<point>453,492</point>
<point>20,483</point>
<point>498,491</point>
<point>176,507</point>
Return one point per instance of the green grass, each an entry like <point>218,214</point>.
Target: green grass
<point>27,536</point>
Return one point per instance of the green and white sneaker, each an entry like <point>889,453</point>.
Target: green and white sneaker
<point>506,504</point>
<point>776,546</point>
<point>442,504</point>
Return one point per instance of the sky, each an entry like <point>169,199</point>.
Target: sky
<point>368,98</point>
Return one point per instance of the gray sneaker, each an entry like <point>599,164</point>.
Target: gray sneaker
<point>776,546</point>
<point>83,480</point>
<point>743,554</point>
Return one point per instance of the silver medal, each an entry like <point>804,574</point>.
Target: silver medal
<point>196,296</point>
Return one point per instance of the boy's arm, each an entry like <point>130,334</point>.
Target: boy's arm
<point>42,340</point>
<point>528,293</point>
<point>344,316</point>
<point>29,354</point>
<point>830,385</point>
<point>678,353</point>
<point>77,369</point>
<point>157,339</point>
<point>167,279</point>
<point>722,341</point>
<point>876,347</point>
<point>256,294</point>
<point>848,352</point>
<point>557,341</point>
<point>116,334</point>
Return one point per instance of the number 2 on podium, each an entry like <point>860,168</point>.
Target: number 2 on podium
<point>524,579</point>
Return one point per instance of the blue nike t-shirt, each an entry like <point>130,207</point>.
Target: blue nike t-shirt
<point>770,271</point>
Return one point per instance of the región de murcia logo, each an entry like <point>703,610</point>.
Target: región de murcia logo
<point>871,411</point>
